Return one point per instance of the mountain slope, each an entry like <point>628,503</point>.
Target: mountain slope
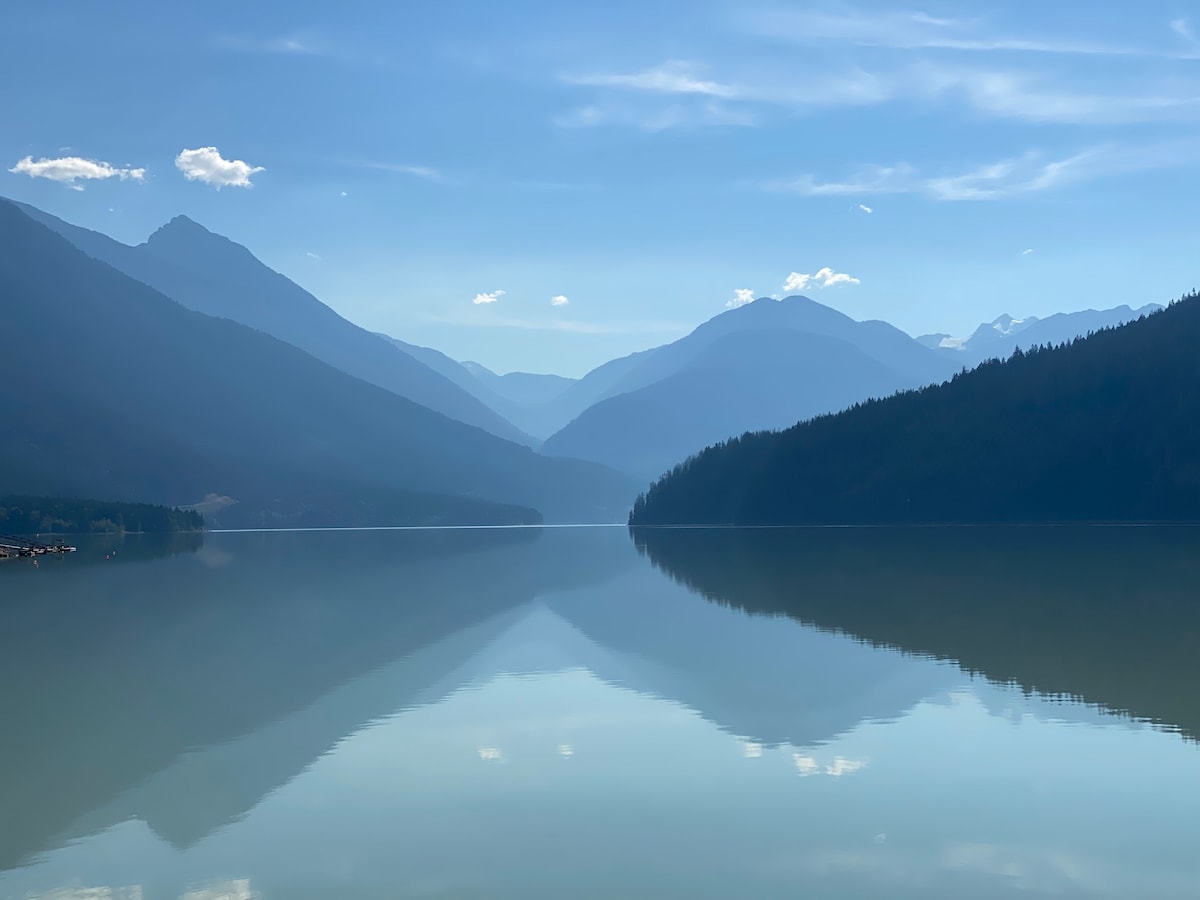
<point>108,388</point>
<point>213,275</point>
<point>1104,429</point>
<point>750,381</point>
<point>521,387</point>
<point>765,365</point>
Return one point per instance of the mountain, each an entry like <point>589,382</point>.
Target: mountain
<point>521,398</point>
<point>521,387</point>
<point>1106,428</point>
<point>765,365</point>
<point>999,338</point>
<point>110,389</point>
<point>213,275</point>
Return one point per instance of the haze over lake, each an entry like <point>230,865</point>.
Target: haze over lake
<point>569,712</point>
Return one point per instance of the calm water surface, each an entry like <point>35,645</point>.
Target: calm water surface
<point>921,713</point>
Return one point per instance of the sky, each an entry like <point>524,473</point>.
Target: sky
<point>542,186</point>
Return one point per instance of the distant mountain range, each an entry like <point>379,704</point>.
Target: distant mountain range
<point>213,275</point>
<point>522,398</point>
<point>999,338</point>
<point>765,365</point>
<point>110,389</point>
<point>1106,428</point>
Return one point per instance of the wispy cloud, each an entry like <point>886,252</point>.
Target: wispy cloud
<point>559,300</point>
<point>1030,173</point>
<point>207,165</point>
<point>654,117</point>
<point>864,208</point>
<point>1023,175</point>
<point>70,170</point>
<point>869,179</point>
<point>1028,97</point>
<point>822,278</point>
<point>484,299</point>
<point>312,256</point>
<point>427,172</point>
<point>674,77</point>
<point>1027,252</point>
<point>907,30</point>
<point>741,296</point>
<point>296,44</point>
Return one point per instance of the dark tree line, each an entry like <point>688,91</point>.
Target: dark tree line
<point>1105,428</point>
<point>57,515</point>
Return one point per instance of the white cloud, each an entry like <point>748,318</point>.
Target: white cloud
<point>486,298</point>
<point>312,255</point>
<point>843,766</point>
<point>559,300</point>
<point>741,296</point>
<point>823,278</point>
<point>865,208</point>
<point>343,194</point>
<point>206,164</point>
<point>70,169</point>
<point>674,77</point>
<point>953,343</point>
<point>805,765</point>
<point>1026,252</point>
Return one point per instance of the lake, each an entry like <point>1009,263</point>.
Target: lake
<point>572,712</point>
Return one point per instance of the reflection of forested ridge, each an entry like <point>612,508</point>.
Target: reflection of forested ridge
<point>1106,428</point>
<point>1107,615</point>
<point>110,673</point>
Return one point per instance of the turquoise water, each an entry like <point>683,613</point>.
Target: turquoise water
<point>562,713</point>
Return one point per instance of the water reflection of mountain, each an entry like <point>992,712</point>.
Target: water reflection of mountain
<point>110,674</point>
<point>1106,615</point>
<point>745,674</point>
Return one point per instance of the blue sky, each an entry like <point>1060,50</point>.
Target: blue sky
<point>646,161</point>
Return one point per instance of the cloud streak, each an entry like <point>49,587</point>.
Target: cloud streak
<point>1030,173</point>
<point>901,30</point>
<point>206,164</point>
<point>673,77</point>
<point>70,170</point>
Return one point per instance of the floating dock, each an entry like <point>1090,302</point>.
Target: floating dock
<point>14,547</point>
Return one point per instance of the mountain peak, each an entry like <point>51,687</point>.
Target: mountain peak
<point>188,242</point>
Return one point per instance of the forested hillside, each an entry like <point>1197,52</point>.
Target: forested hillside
<point>1106,428</point>
<point>59,515</point>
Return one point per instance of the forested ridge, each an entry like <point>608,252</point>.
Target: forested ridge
<point>60,515</point>
<point>1104,428</point>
